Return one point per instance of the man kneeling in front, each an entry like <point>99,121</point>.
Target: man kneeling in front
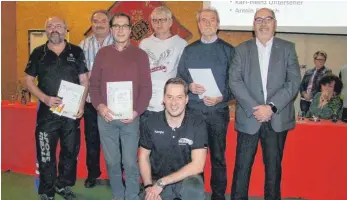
<point>173,148</point>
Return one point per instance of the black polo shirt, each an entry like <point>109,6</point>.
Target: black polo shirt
<point>51,69</point>
<point>171,148</point>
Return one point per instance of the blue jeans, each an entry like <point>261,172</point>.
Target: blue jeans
<point>120,144</point>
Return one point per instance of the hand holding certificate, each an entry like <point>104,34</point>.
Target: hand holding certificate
<point>71,95</point>
<point>120,99</point>
<point>205,78</point>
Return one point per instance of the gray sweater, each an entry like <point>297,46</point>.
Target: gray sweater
<point>216,56</point>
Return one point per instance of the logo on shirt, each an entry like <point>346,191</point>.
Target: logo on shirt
<point>159,132</point>
<point>70,58</point>
<point>159,68</point>
<point>185,141</point>
<point>161,62</point>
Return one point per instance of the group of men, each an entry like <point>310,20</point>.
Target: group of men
<point>171,124</point>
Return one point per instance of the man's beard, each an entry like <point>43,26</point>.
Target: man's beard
<point>55,38</point>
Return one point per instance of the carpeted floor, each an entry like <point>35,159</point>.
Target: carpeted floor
<point>18,187</point>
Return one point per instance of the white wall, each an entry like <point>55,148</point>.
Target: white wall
<point>307,45</point>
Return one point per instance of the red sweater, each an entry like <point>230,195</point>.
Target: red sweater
<point>111,65</point>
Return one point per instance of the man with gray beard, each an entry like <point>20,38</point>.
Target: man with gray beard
<point>51,63</point>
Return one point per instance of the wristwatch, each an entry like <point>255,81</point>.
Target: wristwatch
<point>160,183</point>
<point>273,107</point>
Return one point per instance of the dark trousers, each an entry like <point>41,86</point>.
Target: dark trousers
<point>272,144</point>
<point>92,138</point>
<point>217,125</point>
<point>304,106</point>
<point>49,129</point>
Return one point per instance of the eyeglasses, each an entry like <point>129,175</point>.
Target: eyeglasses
<point>160,20</point>
<point>57,26</point>
<point>124,26</point>
<point>260,20</point>
<point>320,59</point>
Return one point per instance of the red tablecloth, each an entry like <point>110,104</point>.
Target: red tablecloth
<point>314,162</point>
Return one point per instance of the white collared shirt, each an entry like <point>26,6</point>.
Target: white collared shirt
<point>264,53</point>
<point>214,38</point>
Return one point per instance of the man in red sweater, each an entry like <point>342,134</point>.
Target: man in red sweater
<point>115,63</point>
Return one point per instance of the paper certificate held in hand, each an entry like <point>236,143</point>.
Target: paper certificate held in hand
<point>205,78</point>
<point>71,95</point>
<point>120,99</point>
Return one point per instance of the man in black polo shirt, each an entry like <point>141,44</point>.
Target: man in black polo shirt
<point>173,148</point>
<point>51,63</point>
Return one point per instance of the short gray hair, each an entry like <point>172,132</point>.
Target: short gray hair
<point>207,10</point>
<point>105,12</point>
<point>162,9</point>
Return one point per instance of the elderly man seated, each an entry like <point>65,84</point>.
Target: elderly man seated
<point>327,102</point>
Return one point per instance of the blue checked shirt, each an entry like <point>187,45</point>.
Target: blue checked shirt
<point>90,47</point>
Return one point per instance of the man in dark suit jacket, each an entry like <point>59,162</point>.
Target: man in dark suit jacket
<point>265,79</point>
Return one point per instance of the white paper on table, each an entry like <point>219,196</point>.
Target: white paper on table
<point>205,78</point>
<point>71,95</point>
<point>157,95</point>
<point>120,99</point>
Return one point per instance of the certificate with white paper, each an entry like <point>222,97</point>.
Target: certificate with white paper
<point>205,78</point>
<point>71,95</point>
<point>156,101</point>
<point>120,99</point>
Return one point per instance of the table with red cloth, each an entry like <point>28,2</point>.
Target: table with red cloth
<point>314,163</point>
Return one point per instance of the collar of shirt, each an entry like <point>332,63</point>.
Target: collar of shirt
<point>214,38</point>
<point>124,48</point>
<point>184,121</point>
<point>161,39</point>
<point>267,45</point>
<point>107,41</point>
<point>46,48</point>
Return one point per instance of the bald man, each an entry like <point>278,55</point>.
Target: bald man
<point>265,79</point>
<point>51,63</point>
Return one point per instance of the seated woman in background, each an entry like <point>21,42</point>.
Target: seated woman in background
<point>327,102</point>
<point>309,84</point>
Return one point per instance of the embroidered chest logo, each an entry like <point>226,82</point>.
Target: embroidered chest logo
<point>185,141</point>
<point>70,58</point>
<point>159,132</point>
